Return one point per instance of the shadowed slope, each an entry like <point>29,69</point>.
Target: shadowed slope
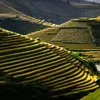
<point>17,21</point>
<point>19,25</point>
<point>24,61</point>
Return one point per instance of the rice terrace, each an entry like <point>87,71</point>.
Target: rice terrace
<point>50,50</point>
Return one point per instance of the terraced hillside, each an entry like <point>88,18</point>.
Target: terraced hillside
<point>46,35</point>
<point>80,35</point>
<point>83,30</point>
<point>29,68</point>
<point>79,31</point>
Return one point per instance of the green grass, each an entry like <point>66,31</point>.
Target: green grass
<point>93,95</point>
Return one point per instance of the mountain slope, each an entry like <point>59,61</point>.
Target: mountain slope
<point>7,9</point>
<point>14,20</point>
<point>56,11</point>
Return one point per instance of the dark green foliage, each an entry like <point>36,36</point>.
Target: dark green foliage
<point>32,91</point>
<point>92,66</point>
<point>89,64</point>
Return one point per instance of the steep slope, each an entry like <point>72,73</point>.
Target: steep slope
<point>56,11</point>
<point>14,20</point>
<point>9,12</point>
<point>26,63</point>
